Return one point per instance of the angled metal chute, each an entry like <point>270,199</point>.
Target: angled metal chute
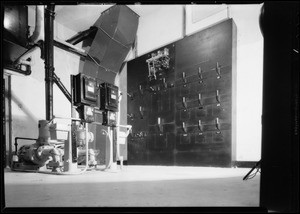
<point>116,33</point>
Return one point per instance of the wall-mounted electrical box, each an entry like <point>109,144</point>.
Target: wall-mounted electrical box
<point>85,90</point>
<point>109,118</point>
<point>86,113</point>
<point>109,97</point>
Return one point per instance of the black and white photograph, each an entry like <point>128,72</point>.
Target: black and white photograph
<point>150,107</point>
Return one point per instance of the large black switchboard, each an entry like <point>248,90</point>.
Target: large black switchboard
<point>182,101</point>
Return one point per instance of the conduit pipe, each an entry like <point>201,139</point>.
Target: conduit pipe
<point>62,87</point>
<point>49,62</point>
<point>38,33</point>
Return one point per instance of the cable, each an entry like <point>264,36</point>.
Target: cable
<point>250,176</point>
<point>110,141</point>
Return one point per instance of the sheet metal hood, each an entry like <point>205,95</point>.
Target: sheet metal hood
<point>116,33</point>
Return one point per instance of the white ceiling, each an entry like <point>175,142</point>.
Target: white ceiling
<point>82,17</point>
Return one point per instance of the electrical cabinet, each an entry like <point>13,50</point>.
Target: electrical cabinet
<point>84,90</point>
<point>86,113</point>
<point>182,100</point>
<point>109,97</point>
<point>109,118</point>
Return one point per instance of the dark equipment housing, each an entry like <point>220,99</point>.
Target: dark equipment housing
<point>85,90</point>
<point>109,97</point>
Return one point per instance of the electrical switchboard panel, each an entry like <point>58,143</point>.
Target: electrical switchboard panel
<point>109,97</point>
<point>182,99</point>
<point>84,90</point>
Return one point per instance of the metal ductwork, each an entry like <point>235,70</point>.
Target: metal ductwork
<point>17,47</point>
<point>116,33</point>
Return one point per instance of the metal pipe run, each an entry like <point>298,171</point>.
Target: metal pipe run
<point>21,138</point>
<point>62,87</point>
<point>82,35</point>
<point>20,71</point>
<point>70,48</point>
<point>49,62</point>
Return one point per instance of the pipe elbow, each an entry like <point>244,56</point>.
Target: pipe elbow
<point>38,33</point>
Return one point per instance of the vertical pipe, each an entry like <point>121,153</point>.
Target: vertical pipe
<point>114,138</point>
<point>49,69</point>
<point>184,21</point>
<point>9,120</point>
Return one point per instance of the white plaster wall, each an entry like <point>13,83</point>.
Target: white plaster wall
<point>249,81</point>
<point>159,28</point>
<point>166,25</point>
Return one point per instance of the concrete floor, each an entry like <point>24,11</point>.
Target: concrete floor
<point>134,186</point>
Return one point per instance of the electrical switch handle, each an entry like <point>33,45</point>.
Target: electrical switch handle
<point>200,74</point>
<point>141,89</point>
<point>200,125</point>
<point>200,99</point>
<point>164,83</point>
<point>217,124</point>
<point>141,109</point>
<point>217,96</point>
<point>183,77</point>
<point>184,127</point>
<point>160,127</point>
<point>184,102</point>
<point>218,70</point>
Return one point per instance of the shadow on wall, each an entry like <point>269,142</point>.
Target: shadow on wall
<point>21,125</point>
<point>20,104</point>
